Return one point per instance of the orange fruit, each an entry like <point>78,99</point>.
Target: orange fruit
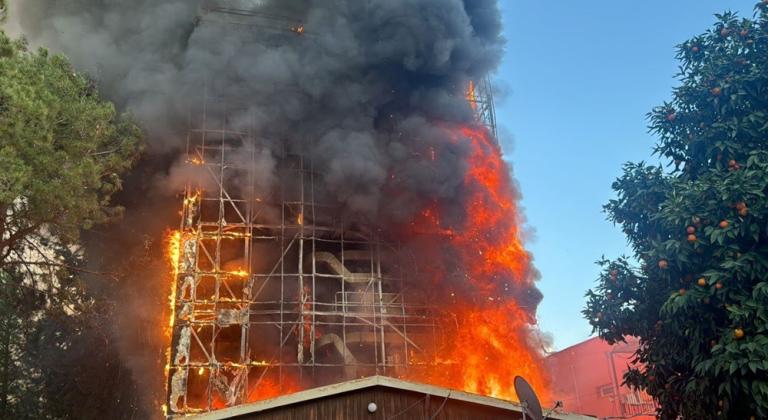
<point>691,238</point>
<point>663,264</point>
<point>732,162</point>
<point>716,91</point>
<point>719,285</point>
<point>741,205</point>
<point>743,212</point>
<point>702,282</point>
<point>738,333</point>
<point>682,292</point>
<point>691,229</point>
<point>724,224</point>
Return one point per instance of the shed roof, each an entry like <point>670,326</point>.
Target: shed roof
<point>372,381</point>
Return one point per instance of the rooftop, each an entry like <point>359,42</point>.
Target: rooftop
<point>369,382</point>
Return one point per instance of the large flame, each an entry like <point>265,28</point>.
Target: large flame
<point>172,243</point>
<point>173,254</point>
<point>494,339</point>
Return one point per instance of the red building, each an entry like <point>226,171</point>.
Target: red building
<point>587,377</point>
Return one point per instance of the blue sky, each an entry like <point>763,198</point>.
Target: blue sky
<point>577,79</point>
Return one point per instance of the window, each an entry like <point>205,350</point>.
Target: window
<point>606,390</point>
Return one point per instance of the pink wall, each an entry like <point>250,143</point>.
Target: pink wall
<point>587,378</point>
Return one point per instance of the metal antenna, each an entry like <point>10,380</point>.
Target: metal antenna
<point>558,404</point>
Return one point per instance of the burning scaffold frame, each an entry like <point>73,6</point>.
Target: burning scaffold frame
<point>272,292</point>
<point>276,294</point>
<point>269,297</point>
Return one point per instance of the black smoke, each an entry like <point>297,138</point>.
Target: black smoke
<point>362,86</point>
<point>365,87</point>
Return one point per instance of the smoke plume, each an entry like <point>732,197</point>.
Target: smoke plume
<point>365,87</point>
<point>363,83</point>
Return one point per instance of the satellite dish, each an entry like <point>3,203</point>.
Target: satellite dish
<point>528,399</point>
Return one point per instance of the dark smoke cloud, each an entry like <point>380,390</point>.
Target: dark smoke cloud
<point>366,80</point>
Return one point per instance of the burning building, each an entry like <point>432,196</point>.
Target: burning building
<point>347,210</point>
<point>279,292</point>
<point>278,287</point>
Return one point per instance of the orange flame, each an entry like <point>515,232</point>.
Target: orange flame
<point>492,342</point>
<point>173,254</point>
<point>239,273</point>
<point>491,213</point>
<point>270,388</point>
<point>471,95</point>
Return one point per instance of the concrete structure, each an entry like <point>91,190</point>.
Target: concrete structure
<point>378,397</point>
<point>587,377</point>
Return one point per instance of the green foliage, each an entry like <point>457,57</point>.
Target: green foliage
<point>62,148</point>
<point>698,300</point>
<point>58,353</point>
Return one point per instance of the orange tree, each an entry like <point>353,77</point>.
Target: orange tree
<point>696,290</point>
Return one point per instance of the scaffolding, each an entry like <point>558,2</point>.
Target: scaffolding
<point>480,97</point>
<point>275,291</point>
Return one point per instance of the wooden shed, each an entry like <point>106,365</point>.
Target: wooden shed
<point>378,398</point>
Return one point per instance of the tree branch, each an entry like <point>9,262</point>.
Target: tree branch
<point>7,245</point>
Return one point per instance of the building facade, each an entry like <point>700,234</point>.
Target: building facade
<point>588,378</point>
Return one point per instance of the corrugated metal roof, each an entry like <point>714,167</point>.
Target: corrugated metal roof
<point>372,381</point>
